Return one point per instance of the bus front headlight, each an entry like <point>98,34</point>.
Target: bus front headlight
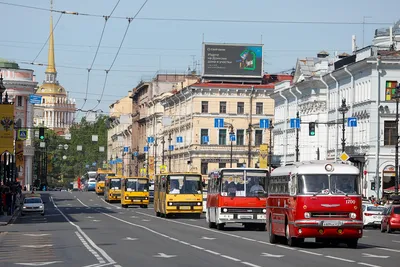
<point>198,204</point>
<point>225,210</point>
<point>353,215</point>
<point>307,215</point>
<point>170,203</point>
<point>264,210</point>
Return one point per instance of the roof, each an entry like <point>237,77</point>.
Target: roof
<point>318,168</point>
<point>51,89</point>
<point>7,64</point>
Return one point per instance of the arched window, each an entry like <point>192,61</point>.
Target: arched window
<point>18,123</point>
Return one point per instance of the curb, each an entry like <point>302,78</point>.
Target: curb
<point>12,218</point>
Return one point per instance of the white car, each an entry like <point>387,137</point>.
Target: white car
<point>32,205</point>
<point>372,215</point>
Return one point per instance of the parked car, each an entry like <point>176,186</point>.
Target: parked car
<point>372,215</point>
<point>391,219</point>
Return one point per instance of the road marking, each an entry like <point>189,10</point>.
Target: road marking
<point>212,252</point>
<point>271,255</point>
<point>36,235</point>
<point>102,252</point>
<point>197,247</point>
<point>367,264</point>
<point>130,238</point>
<point>310,252</point>
<point>207,238</point>
<point>230,258</point>
<point>108,208</point>
<point>250,264</point>
<point>96,221</point>
<point>389,249</point>
<point>89,217</point>
<point>95,254</point>
<point>286,247</point>
<point>265,243</point>
<point>367,255</point>
<point>395,241</point>
<point>36,246</point>
<point>144,220</point>
<point>163,255</point>
<point>339,259</point>
<point>38,263</point>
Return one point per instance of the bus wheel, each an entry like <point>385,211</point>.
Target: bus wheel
<point>271,235</point>
<point>291,241</point>
<point>124,206</point>
<point>220,226</point>
<point>211,224</point>
<point>352,243</point>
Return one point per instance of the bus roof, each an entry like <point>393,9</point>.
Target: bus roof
<point>315,168</point>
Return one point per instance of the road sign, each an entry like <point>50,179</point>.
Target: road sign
<point>35,99</point>
<point>179,139</point>
<point>205,139</point>
<point>171,147</point>
<point>126,149</point>
<point>264,123</point>
<point>119,160</point>
<point>232,137</point>
<point>344,156</point>
<point>218,123</point>
<point>135,153</point>
<point>22,134</point>
<point>352,122</point>
<point>146,149</point>
<point>150,139</point>
<point>295,123</point>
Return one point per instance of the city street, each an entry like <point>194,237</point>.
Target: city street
<point>80,229</point>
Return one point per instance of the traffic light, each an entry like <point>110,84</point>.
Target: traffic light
<point>373,186</point>
<point>311,129</point>
<point>41,133</point>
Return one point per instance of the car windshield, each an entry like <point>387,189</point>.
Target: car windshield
<point>337,184</point>
<point>115,184</point>
<point>32,200</point>
<point>185,184</point>
<point>396,210</point>
<point>138,185</point>
<point>374,208</point>
<point>235,184</point>
<point>92,175</point>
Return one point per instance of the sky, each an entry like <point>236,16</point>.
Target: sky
<point>163,38</point>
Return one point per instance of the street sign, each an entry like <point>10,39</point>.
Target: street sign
<point>218,123</point>
<point>22,134</point>
<point>126,149</point>
<point>352,122</point>
<point>205,139</point>
<point>135,153</point>
<point>119,160</point>
<point>35,99</point>
<point>344,156</point>
<point>150,139</point>
<point>232,137</point>
<point>87,166</point>
<point>146,149</point>
<point>171,147</point>
<point>295,123</point>
<point>264,123</point>
<point>179,139</point>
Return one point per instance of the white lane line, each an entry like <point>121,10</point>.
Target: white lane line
<point>395,241</point>
<point>310,252</point>
<point>367,264</point>
<point>194,246</point>
<point>250,264</point>
<point>390,249</point>
<point>230,258</point>
<point>102,252</point>
<point>339,259</point>
<point>36,246</point>
<point>94,253</point>
<point>212,252</point>
<point>286,247</point>
<point>265,243</point>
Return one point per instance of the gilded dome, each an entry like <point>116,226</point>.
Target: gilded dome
<point>51,89</point>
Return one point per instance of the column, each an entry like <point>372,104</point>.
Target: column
<point>53,120</point>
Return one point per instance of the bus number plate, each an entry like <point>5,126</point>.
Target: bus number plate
<point>184,208</point>
<point>331,223</point>
<point>245,216</point>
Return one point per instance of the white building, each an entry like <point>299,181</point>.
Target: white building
<point>366,80</point>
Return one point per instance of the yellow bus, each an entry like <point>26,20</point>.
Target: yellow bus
<point>112,188</point>
<point>100,178</point>
<point>135,192</point>
<point>178,193</point>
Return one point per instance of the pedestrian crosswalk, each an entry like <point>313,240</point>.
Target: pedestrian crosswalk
<point>17,248</point>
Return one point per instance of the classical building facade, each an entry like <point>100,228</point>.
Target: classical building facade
<point>56,110</point>
<point>20,83</point>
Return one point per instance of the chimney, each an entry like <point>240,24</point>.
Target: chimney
<point>322,54</point>
<point>391,35</point>
<point>343,55</point>
<point>353,44</point>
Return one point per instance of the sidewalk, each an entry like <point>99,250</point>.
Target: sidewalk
<point>5,219</point>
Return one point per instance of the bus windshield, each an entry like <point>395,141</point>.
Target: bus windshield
<point>138,185</point>
<point>336,184</point>
<point>115,183</point>
<point>92,175</point>
<point>234,183</point>
<point>185,184</point>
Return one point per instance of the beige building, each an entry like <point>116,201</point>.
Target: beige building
<point>120,135</point>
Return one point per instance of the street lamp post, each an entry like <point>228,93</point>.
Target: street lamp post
<point>147,161</point>
<point>169,152</point>
<point>271,127</point>
<point>231,137</point>
<point>396,162</point>
<point>297,139</point>
<point>343,109</point>
<point>155,155</point>
<point>163,150</point>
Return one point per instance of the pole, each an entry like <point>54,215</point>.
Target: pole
<point>147,161</point>
<point>169,152</point>
<point>163,150</point>
<point>271,127</point>
<point>343,133</point>
<point>230,136</point>
<point>250,129</point>
<point>396,181</point>
<point>297,139</point>
<point>318,155</point>
<point>155,155</point>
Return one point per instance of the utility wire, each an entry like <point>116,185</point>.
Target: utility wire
<point>207,20</point>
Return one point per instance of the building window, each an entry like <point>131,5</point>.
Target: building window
<point>43,100</point>
<point>390,90</point>
<point>259,108</point>
<point>204,168</point>
<point>240,108</point>
<point>222,107</point>
<point>19,101</point>
<point>390,133</point>
<point>222,137</point>
<point>203,136</point>
<point>221,165</point>
<point>204,106</point>
<point>240,137</point>
<point>258,137</point>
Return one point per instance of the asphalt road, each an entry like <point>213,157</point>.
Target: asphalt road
<point>80,229</point>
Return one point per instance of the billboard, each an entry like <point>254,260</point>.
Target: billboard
<point>6,128</point>
<point>232,60</point>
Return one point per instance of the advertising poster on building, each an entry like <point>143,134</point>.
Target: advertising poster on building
<point>232,60</point>
<point>263,156</point>
<point>6,128</point>
<point>19,151</point>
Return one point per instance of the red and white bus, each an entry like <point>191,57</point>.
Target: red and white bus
<point>237,195</point>
<point>318,200</point>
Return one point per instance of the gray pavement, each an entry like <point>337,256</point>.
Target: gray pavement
<point>80,229</point>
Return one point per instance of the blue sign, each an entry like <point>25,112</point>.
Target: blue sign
<point>119,160</point>
<point>87,166</point>
<point>171,147</point>
<point>179,139</point>
<point>94,164</point>
<point>113,162</point>
<point>35,99</point>
<point>264,123</point>
<point>295,123</point>
<point>205,139</point>
<point>352,122</point>
<point>150,139</point>
<point>218,123</point>
<point>135,153</point>
<point>232,137</point>
<point>146,149</point>
<point>22,134</point>
<point>126,149</point>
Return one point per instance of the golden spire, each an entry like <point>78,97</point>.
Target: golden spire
<point>51,67</point>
